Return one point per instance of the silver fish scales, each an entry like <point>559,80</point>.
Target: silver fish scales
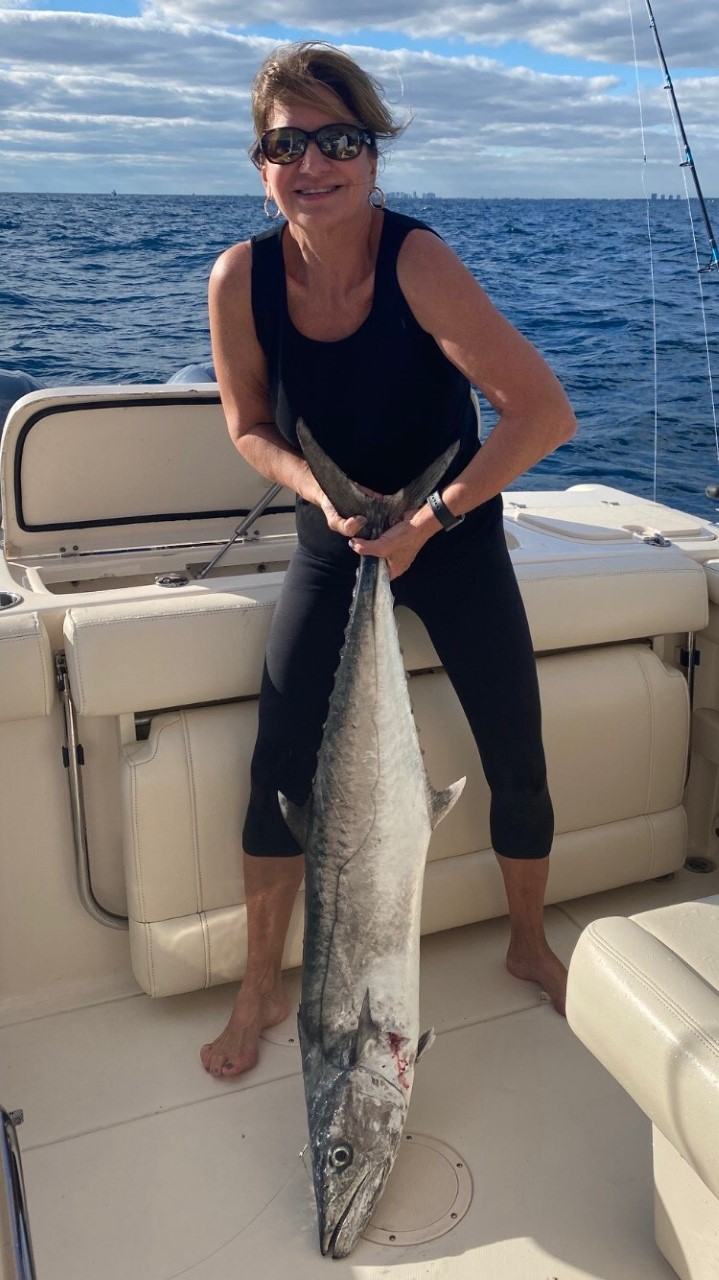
<point>365,832</point>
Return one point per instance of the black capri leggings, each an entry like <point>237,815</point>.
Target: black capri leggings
<point>462,586</point>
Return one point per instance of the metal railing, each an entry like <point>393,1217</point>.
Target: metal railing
<point>73,759</point>
<point>16,1256</point>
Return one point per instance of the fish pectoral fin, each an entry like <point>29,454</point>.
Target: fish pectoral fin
<point>440,802</point>
<point>368,1030</point>
<point>426,1040</point>
<point>297,818</point>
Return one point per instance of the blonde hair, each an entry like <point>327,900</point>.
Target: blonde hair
<point>303,73</point>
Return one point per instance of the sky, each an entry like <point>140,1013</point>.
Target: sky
<point>523,98</point>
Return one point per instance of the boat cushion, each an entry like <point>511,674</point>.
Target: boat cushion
<point>617,793</point>
<point>644,997</point>
<point>604,598</point>
<point>205,646</point>
<point>27,679</point>
<point>711,569</point>
<point>170,652</point>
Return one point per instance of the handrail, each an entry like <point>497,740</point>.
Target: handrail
<point>73,759</point>
<point>13,1205</point>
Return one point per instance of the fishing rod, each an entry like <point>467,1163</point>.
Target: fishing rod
<point>688,162</point>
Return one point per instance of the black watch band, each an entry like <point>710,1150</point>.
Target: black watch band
<point>442,511</point>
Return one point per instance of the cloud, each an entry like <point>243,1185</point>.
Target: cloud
<point>86,98</point>
<point>600,31</point>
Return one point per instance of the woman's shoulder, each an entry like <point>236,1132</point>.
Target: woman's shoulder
<point>414,242</point>
<point>420,248</point>
<point>403,223</point>
<point>233,266</point>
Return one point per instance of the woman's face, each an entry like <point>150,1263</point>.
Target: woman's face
<point>316,190</point>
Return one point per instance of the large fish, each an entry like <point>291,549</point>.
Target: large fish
<point>365,830</point>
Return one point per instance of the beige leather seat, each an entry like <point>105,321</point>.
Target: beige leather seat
<point>644,998</point>
<point>615,726</point>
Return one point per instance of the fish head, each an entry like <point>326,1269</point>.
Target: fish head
<point>354,1136</point>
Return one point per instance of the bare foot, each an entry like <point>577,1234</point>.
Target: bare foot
<point>237,1048</point>
<point>538,963</point>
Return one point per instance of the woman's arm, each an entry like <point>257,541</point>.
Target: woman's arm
<point>534,413</point>
<point>241,371</point>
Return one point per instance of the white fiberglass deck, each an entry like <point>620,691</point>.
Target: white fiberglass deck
<point>139,1166</point>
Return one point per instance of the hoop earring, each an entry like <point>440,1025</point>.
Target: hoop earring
<point>270,200</point>
<point>377,198</point>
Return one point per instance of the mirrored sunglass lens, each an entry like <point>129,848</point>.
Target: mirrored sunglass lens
<point>282,146</point>
<point>340,144</point>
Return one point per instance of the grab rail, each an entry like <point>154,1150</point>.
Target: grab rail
<point>14,1223</point>
<point>73,760</point>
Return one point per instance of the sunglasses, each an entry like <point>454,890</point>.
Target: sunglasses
<point>288,143</point>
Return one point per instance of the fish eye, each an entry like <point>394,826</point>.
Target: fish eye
<point>341,1156</point>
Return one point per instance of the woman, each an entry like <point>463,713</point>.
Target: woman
<point>367,325</point>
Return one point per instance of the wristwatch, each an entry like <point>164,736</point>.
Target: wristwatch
<point>442,511</point>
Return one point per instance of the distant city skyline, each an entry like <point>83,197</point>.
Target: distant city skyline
<point>534,99</point>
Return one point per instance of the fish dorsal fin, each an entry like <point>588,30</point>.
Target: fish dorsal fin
<point>297,818</point>
<point>367,1030</point>
<point>426,1040</point>
<point>440,802</point>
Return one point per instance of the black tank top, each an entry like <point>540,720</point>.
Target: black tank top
<point>383,402</point>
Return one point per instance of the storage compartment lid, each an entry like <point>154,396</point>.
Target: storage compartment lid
<point>598,513</point>
<point>103,468</point>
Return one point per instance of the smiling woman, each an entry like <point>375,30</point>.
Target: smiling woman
<point>363,323</point>
<point>316,85</point>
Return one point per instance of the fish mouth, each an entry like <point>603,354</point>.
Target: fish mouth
<point>330,1240</point>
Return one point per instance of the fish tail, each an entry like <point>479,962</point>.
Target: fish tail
<point>419,489</point>
<point>349,500</point>
<point>346,497</point>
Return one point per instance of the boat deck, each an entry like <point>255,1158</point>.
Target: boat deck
<point>139,1165</point>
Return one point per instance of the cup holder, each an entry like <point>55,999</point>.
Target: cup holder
<point>8,599</point>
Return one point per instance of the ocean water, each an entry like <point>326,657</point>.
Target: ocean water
<point>113,289</point>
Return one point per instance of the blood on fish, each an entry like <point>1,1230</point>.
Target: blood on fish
<point>403,1064</point>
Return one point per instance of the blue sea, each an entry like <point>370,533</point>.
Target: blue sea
<point>104,288</point>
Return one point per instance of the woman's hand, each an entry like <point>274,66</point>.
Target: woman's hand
<point>400,544</point>
<point>337,523</point>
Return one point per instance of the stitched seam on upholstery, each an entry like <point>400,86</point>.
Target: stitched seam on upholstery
<point>76,641</point>
<point>680,1014</point>
<point>151,961</point>
<point>640,570</point>
<point>144,925</point>
<point>687,713</point>
<point>136,833</point>
<point>193,811</point>
<point>208,948</point>
<point>156,748</point>
<point>91,624</point>
<point>652,844</point>
<point>637,655</point>
<point>46,691</point>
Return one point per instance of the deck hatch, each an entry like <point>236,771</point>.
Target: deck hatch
<point>428,1193</point>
